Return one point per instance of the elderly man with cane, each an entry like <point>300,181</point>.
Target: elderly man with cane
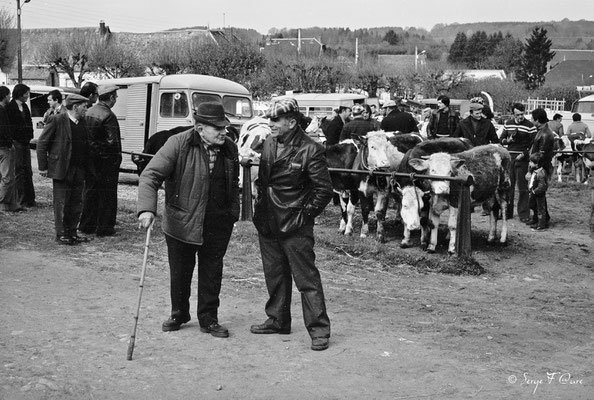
<point>200,168</point>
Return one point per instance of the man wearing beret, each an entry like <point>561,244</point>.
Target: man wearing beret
<point>100,205</point>
<point>476,128</point>
<point>200,168</point>
<point>293,188</point>
<point>63,155</point>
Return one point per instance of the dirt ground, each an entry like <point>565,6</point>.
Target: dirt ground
<point>400,329</point>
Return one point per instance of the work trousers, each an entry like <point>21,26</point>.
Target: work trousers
<point>25,193</point>
<point>518,170</point>
<point>100,198</point>
<point>68,201</point>
<point>294,256</point>
<point>538,205</point>
<point>7,192</point>
<point>182,259</point>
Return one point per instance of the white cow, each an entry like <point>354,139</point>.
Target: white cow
<point>251,138</point>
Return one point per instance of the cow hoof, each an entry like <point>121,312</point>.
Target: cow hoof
<point>431,251</point>
<point>381,239</point>
<point>363,235</point>
<point>503,244</point>
<point>424,247</point>
<point>405,245</point>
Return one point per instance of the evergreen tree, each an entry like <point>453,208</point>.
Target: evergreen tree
<point>537,53</point>
<point>458,49</point>
<point>477,49</point>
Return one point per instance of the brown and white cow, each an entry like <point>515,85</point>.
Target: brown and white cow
<point>382,151</point>
<point>489,167</point>
<point>415,196</point>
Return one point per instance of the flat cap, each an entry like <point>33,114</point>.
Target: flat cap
<point>107,89</point>
<point>282,107</point>
<point>390,103</point>
<point>476,106</point>
<point>74,98</point>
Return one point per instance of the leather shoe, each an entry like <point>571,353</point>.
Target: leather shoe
<point>81,239</point>
<point>215,330</point>
<point>267,328</point>
<point>319,344</point>
<point>525,220</point>
<point>174,323</point>
<point>66,240</point>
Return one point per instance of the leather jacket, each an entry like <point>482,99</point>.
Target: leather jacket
<point>104,132</point>
<point>293,187</point>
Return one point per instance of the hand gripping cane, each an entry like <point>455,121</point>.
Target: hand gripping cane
<point>140,287</point>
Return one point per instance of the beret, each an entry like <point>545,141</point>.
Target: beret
<point>74,98</point>
<point>476,106</point>
<point>281,107</point>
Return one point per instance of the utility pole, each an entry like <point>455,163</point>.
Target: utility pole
<point>356,50</point>
<point>20,44</point>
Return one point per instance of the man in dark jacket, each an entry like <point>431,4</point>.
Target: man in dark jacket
<point>335,126</point>
<point>443,121</point>
<point>7,192</point>
<point>200,168</point>
<point>21,126</point>
<point>100,204</point>
<point>476,128</point>
<point>358,126</point>
<point>398,120</point>
<point>293,187</point>
<point>63,155</point>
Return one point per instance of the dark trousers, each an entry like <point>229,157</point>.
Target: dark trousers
<point>518,177</point>
<point>294,255</point>
<point>182,259</point>
<point>25,193</point>
<point>100,198</point>
<point>68,201</point>
<point>538,205</point>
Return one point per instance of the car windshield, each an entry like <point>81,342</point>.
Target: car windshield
<point>584,107</point>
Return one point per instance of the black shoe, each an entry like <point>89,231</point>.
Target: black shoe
<point>174,323</point>
<point>66,240</point>
<point>215,330</point>
<point>267,328</point>
<point>525,220</point>
<point>319,344</point>
<point>539,228</point>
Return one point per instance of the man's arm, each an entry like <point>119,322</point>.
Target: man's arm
<point>321,192</point>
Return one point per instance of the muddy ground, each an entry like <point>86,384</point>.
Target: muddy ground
<point>400,328</point>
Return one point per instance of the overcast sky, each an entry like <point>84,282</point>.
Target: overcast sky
<point>155,15</point>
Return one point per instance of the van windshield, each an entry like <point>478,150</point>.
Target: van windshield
<point>238,107</point>
<point>583,107</point>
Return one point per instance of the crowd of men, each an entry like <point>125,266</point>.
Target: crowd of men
<point>79,149</point>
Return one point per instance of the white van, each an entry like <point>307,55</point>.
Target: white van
<point>150,104</point>
<point>322,104</point>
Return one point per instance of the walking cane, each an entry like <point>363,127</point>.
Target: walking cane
<point>140,287</point>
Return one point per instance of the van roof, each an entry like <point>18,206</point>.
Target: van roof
<point>322,96</point>
<point>179,81</point>
<point>587,98</point>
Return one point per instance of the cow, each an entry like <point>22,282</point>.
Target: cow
<point>250,142</point>
<point>382,151</point>
<point>415,200</point>
<point>488,165</point>
<point>315,131</point>
<point>567,158</point>
<point>153,144</point>
<point>588,156</point>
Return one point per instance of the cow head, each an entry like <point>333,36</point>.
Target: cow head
<point>438,164</point>
<point>251,138</point>
<point>377,145</point>
<point>412,204</point>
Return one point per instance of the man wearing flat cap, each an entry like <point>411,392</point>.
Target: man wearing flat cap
<point>358,126</point>
<point>476,128</point>
<point>293,188</point>
<point>63,155</point>
<point>100,203</point>
<point>200,168</point>
<point>396,119</point>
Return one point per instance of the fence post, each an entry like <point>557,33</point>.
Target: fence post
<point>463,229</point>
<point>246,193</point>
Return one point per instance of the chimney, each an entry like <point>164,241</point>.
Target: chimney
<point>102,30</point>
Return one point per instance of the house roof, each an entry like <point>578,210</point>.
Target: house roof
<point>571,54</point>
<point>572,72</point>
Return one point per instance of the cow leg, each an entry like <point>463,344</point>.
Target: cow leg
<point>405,243</point>
<point>434,224</point>
<point>381,206</point>
<point>365,209</point>
<point>350,212</point>
<point>452,228</point>
<point>343,214</point>
<point>560,167</point>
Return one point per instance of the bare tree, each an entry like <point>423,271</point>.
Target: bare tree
<point>70,56</point>
<point>115,59</point>
<point>167,56</point>
<point>8,40</point>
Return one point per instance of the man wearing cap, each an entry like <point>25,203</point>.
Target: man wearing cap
<point>200,168</point>
<point>335,126</point>
<point>358,126</point>
<point>293,188</point>
<point>476,128</point>
<point>443,121</point>
<point>63,155</point>
<point>397,120</point>
<point>100,204</point>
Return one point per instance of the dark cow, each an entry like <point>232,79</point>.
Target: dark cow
<point>415,199</point>
<point>153,144</point>
<point>567,158</point>
<point>489,167</point>
<point>383,152</point>
<point>343,155</point>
